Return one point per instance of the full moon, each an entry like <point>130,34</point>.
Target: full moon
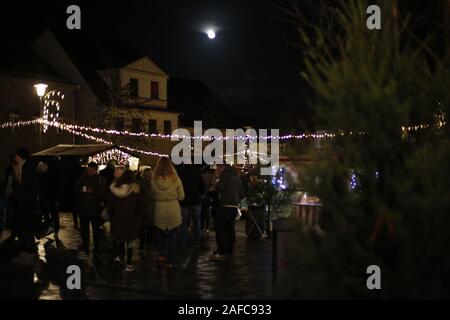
<point>211,34</point>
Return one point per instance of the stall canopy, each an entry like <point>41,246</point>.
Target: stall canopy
<point>99,153</point>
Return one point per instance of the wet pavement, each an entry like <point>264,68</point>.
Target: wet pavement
<point>248,275</point>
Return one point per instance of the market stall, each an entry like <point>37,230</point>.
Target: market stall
<point>70,160</point>
<point>99,153</point>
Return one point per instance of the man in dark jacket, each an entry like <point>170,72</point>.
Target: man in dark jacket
<point>230,191</point>
<point>27,206</point>
<point>194,189</point>
<point>49,195</point>
<point>91,190</point>
<point>108,173</point>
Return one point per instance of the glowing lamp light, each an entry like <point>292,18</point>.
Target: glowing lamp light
<point>40,89</point>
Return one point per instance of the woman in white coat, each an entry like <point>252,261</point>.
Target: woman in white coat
<point>167,191</point>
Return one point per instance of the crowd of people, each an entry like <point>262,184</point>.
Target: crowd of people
<point>142,207</point>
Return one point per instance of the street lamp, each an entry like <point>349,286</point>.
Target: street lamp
<point>47,100</point>
<point>40,89</point>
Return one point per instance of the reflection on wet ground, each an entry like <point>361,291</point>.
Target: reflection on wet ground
<point>247,276</point>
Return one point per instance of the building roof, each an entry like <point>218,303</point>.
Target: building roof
<point>85,150</point>
<point>21,62</point>
<point>92,54</point>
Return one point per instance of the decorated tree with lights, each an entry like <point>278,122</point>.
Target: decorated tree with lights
<point>383,180</point>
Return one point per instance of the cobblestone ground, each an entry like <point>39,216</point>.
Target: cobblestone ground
<point>247,276</point>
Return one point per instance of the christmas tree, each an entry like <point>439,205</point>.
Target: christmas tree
<point>384,180</point>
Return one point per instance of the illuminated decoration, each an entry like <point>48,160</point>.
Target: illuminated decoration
<point>117,155</point>
<point>19,124</point>
<point>439,118</point>
<point>79,128</point>
<point>69,129</point>
<point>278,179</point>
<point>51,108</point>
<point>120,157</point>
<point>148,153</point>
<point>65,126</point>
<point>353,181</point>
<point>100,140</point>
<point>415,128</point>
<point>51,119</point>
<point>204,138</point>
<point>210,138</point>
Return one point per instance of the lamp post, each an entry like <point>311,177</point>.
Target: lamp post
<point>40,88</point>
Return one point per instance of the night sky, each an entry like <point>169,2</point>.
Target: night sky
<point>249,64</point>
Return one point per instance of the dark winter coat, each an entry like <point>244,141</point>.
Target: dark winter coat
<point>123,209</point>
<point>108,175</point>
<point>49,186</point>
<point>27,196</point>
<point>193,185</point>
<point>229,187</point>
<point>90,202</point>
<point>147,203</point>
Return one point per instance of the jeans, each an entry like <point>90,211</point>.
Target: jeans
<point>196,217</point>
<point>85,221</point>
<point>167,243</point>
<point>224,219</point>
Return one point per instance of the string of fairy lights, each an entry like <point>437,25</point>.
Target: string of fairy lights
<point>80,128</point>
<point>64,126</point>
<point>257,155</point>
<point>104,141</point>
<point>52,119</point>
<point>119,157</point>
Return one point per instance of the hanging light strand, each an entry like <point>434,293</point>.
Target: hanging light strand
<point>100,140</point>
<point>17,124</point>
<point>79,129</point>
<point>302,136</point>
